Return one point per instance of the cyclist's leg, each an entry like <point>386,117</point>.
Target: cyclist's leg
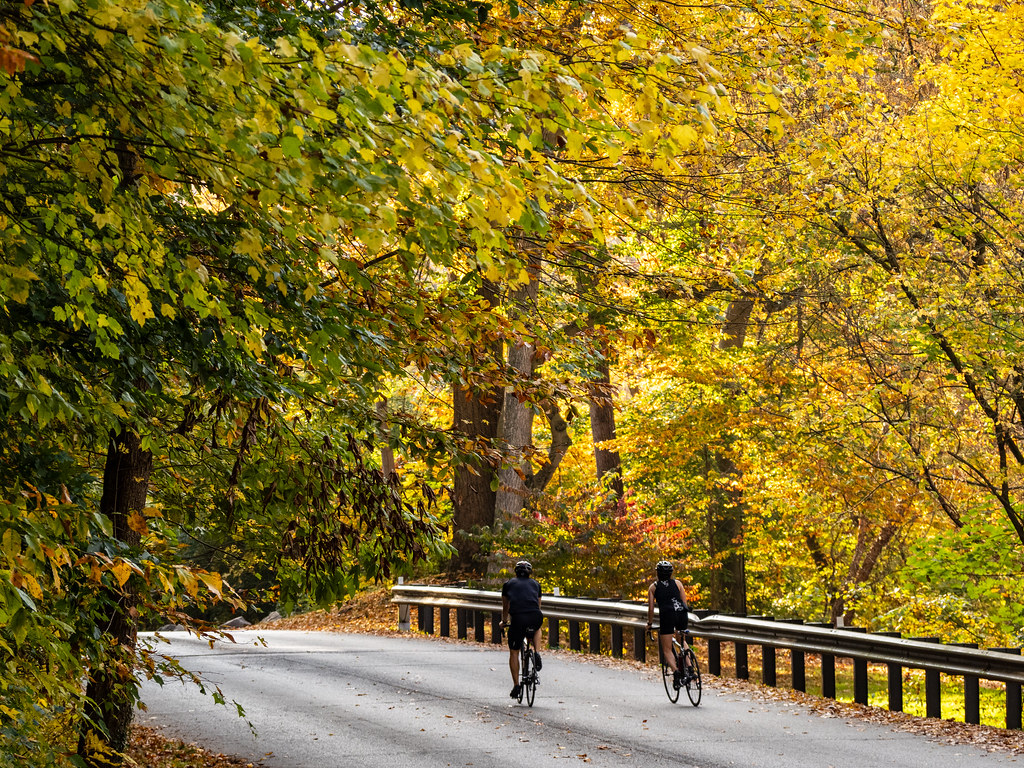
<point>666,650</point>
<point>515,643</point>
<point>535,643</point>
<point>666,632</point>
<point>681,621</point>
<point>513,665</point>
<point>681,637</point>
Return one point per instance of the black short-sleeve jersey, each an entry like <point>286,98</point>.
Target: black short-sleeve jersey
<point>523,594</point>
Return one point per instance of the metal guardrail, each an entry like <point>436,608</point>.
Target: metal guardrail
<point>567,608</point>
<point>1004,665</point>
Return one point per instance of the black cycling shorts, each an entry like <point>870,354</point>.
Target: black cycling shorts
<point>673,621</point>
<point>522,625</point>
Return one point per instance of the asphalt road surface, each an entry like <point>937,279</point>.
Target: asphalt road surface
<point>319,700</point>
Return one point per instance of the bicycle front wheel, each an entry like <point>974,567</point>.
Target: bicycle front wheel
<point>667,679</point>
<point>693,686</point>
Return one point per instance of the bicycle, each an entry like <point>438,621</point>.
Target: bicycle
<point>688,676</point>
<point>527,674</point>
<point>528,678</point>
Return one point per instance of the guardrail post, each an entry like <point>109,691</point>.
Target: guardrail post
<point>768,665</point>
<point>715,656</point>
<point>460,623</point>
<point>797,663</point>
<point>860,673</point>
<point>403,611</point>
<point>554,627</point>
<point>594,636</point>
<point>445,621</point>
<point>574,635</point>
<point>419,617</point>
<point>932,686</point>
<point>798,670</point>
<point>895,687</point>
<point>828,676</point>
<point>617,641</point>
<point>860,681</point>
<point>495,626</point>
<point>972,693</point>
<point>894,680</point>
<point>640,644</point>
<point>478,626</point>
<point>932,693</point>
<point>1013,702</point>
<point>428,620</point>
<point>972,700</point>
<point>742,663</point>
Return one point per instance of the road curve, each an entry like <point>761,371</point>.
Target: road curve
<point>318,700</point>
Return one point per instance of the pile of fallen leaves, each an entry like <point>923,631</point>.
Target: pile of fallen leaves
<point>370,612</point>
<point>148,749</point>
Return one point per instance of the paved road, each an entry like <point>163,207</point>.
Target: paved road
<point>319,700</point>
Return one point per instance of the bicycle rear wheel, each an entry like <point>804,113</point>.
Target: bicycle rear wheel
<point>693,686</point>
<point>531,680</point>
<point>667,679</point>
<point>524,671</point>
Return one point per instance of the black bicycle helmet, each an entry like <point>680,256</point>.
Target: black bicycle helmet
<point>664,570</point>
<point>523,568</point>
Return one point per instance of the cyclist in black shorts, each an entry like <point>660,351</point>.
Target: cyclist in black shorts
<point>670,597</point>
<point>520,602</point>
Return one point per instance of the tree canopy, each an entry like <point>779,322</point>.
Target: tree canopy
<point>251,251</point>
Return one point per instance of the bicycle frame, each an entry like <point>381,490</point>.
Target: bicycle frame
<point>687,674</point>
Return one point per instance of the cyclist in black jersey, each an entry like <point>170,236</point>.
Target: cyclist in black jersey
<point>670,597</point>
<point>520,612</point>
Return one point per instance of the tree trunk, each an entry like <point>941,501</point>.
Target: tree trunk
<point>387,454</point>
<point>515,434</point>
<point>560,443</point>
<point>728,582</point>
<point>475,415</point>
<point>726,511</point>
<point>602,427</point>
<point>868,550</point>
<point>515,430</point>
<point>473,498</point>
<point>867,553</point>
<point>111,691</point>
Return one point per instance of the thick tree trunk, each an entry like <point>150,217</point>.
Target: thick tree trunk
<point>475,415</point>
<point>473,498</point>
<point>602,428</point>
<point>515,435</point>
<point>515,430</point>
<point>728,583</point>
<point>111,689</point>
<point>728,587</point>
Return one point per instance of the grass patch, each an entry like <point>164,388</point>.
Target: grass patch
<point>992,700</point>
